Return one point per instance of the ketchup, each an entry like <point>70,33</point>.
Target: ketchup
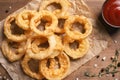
<point>111,12</point>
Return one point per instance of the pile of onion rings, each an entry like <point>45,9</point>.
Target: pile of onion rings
<point>51,38</point>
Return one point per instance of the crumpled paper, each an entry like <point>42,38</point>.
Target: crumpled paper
<point>99,40</point>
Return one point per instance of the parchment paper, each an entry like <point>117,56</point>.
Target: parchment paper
<point>99,40</point>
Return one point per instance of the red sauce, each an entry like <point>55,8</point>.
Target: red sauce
<point>111,12</point>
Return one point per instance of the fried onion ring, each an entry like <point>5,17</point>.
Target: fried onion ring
<point>58,48</point>
<point>48,18</point>
<point>35,46</point>
<point>76,48</point>
<point>36,43</point>
<point>8,32</point>
<point>55,68</point>
<point>13,51</point>
<point>74,33</point>
<point>28,71</point>
<point>61,5</point>
<point>41,52</point>
<point>24,17</point>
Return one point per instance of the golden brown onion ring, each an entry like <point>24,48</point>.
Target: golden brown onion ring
<point>74,33</point>
<point>13,51</point>
<point>48,18</point>
<point>62,5</point>
<point>28,71</point>
<point>24,17</point>
<point>58,47</point>
<point>41,52</point>
<point>76,48</point>
<point>55,68</point>
<point>8,31</point>
<point>35,46</point>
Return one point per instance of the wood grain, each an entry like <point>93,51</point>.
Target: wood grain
<point>9,6</point>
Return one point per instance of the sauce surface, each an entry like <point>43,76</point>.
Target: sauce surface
<point>111,12</point>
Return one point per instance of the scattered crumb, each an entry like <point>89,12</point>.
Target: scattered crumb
<point>4,77</point>
<point>77,79</point>
<point>112,57</point>
<point>104,58</point>
<point>113,75</point>
<point>99,76</point>
<point>7,79</point>
<point>115,41</point>
<point>97,56</point>
<point>6,11</point>
<point>95,65</point>
<point>107,75</point>
<point>0,77</point>
<point>10,7</point>
<point>116,79</point>
<point>118,65</point>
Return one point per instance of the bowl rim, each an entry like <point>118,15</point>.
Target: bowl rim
<point>105,19</point>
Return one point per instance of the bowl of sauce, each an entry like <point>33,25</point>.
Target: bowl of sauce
<point>111,13</point>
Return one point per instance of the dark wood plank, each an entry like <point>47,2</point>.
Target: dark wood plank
<point>9,6</point>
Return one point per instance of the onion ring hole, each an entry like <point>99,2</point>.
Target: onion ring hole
<point>61,23</point>
<point>53,6</point>
<point>45,21</point>
<point>74,45</point>
<point>15,29</point>
<point>78,27</point>
<point>35,67</point>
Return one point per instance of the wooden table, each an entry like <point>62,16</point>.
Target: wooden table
<point>9,6</point>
